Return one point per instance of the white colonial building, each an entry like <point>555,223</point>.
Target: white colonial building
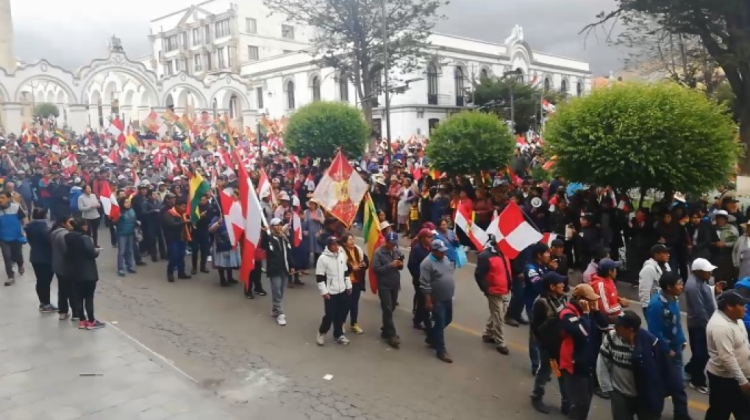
<point>237,57</point>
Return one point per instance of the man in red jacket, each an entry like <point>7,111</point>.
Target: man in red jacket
<point>603,282</point>
<point>493,275</point>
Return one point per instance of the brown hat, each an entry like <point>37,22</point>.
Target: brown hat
<point>585,291</point>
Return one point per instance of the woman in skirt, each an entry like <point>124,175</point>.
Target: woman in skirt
<point>225,256</point>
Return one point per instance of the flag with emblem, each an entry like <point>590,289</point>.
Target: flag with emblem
<point>465,221</point>
<point>341,190</point>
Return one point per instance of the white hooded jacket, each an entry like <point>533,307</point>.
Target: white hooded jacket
<point>648,281</point>
<point>332,273</point>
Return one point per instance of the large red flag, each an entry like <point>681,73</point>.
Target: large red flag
<point>252,214</point>
<point>109,202</point>
<point>341,190</point>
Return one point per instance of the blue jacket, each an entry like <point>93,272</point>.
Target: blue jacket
<point>745,284</point>
<point>10,223</point>
<point>126,223</point>
<point>416,256</point>
<point>663,317</point>
<point>24,188</point>
<point>655,376</point>
<point>532,279</point>
<point>700,302</point>
<point>37,233</point>
<point>75,192</point>
<point>451,253</point>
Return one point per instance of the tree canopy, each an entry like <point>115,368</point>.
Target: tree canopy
<point>349,37</point>
<point>318,129</point>
<point>721,27</point>
<point>470,142</point>
<point>46,109</point>
<point>492,94</point>
<point>654,136</point>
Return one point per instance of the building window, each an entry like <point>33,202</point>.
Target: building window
<point>209,63</point>
<point>168,68</point>
<point>458,80</point>
<point>171,43</point>
<point>252,53</point>
<point>432,123</point>
<point>207,34</point>
<point>343,88</point>
<point>287,31</point>
<point>185,40</point>
<point>579,89</point>
<point>316,88</point>
<point>251,26</point>
<point>222,28</point>
<point>564,86</point>
<point>546,84</point>
<point>176,66</point>
<point>432,84</point>
<point>290,95</point>
<point>485,74</point>
<point>220,55</point>
<point>259,96</point>
<point>196,36</point>
<point>197,65</point>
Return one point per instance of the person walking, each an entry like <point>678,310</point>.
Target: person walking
<point>12,236</point>
<point>40,257</point>
<point>700,307</point>
<point>125,227</point>
<point>279,267</point>
<point>176,223</point>
<point>81,255</point>
<point>729,359</point>
<point>358,264</point>
<point>89,205</point>
<point>419,251</point>
<point>332,275</point>
<point>65,299</point>
<point>200,244</point>
<point>648,278</point>
<point>387,263</point>
<point>494,278</point>
<point>438,285</point>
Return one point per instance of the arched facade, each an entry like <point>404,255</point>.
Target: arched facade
<point>91,96</point>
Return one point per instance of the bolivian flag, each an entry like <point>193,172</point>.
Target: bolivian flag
<point>198,188</point>
<point>373,237</point>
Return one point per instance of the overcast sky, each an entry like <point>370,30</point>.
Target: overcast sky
<point>73,32</point>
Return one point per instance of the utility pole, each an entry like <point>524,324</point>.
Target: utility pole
<point>386,88</point>
<point>260,147</point>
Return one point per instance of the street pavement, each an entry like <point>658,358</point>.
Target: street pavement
<point>232,348</point>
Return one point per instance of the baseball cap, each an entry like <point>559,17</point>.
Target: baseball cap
<point>392,237</point>
<point>553,277</point>
<point>702,264</point>
<point>438,245</point>
<point>658,249</point>
<point>585,291</point>
<point>275,221</point>
<point>731,297</point>
<point>628,319</point>
<point>425,233</point>
<point>557,243</point>
<point>607,264</point>
<point>331,240</point>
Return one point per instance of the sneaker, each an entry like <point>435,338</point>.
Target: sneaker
<point>21,270</point>
<point>9,282</point>
<point>281,320</point>
<point>82,325</point>
<point>510,322</point>
<point>140,263</point>
<point>320,339</point>
<point>445,357</point>
<point>503,350</point>
<point>488,339</point>
<point>131,271</point>
<point>343,340</point>
<point>47,309</point>
<point>539,406</point>
<point>356,329</point>
<point>121,273</point>
<point>701,389</point>
<point>96,325</point>
<point>261,293</point>
<point>64,316</point>
<point>74,319</point>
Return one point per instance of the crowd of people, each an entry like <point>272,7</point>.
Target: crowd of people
<point>581,330</point>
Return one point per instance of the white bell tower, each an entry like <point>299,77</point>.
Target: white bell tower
<point>7,57</point>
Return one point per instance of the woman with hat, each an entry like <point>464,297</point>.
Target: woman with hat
<point>722,250</point>
<point>225,256</point>
<point>284,205</point>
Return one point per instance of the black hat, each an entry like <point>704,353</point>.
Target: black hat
<point>628,319</point>
<point>731,297</point>
<point>553,277</point>
<point>658,249</point>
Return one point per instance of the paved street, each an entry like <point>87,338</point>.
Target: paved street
<point>233,349</point>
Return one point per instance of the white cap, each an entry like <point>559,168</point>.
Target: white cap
<point>702,264</point>
<point>275,221</point>
<point>77,180</point>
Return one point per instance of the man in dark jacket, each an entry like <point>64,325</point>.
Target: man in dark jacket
<point>419,252</point>
<point>279,266</point>
<point>545,331</point>
<point>40,257</point>
<point>176,224</point>
<point>579,321</point>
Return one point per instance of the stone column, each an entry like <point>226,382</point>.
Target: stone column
<point>12,118</point>
<point>7,56</point>
<point>78,117</point>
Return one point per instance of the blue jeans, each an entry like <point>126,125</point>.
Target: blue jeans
<point>125,252</point>
<point>176,252</point>
<point>543,375</point>
<point>442,316</point>
<point>533,349</point>
<point>699,349</point>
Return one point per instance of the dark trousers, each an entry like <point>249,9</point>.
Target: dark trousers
<point>442,316</point>
<point>628,408</point>
<point>388,298</point>
<point>176,251</point>
<point>66,300</point>
<point>421,314</point>
<point>12,253</point>
<point>149,237</point>
<point>580,392</point>
<point>112,231</point>
<point>255,285</point>
<point>336,311</point>
<point>200,244</point>
<point>84,296</point>
<point>515,307</point>
<point>699,359</point>
<point>726,398</point>
<point>93,232</point>
<point>354,303</point>
<point>160,243</point>
<point>44,274</point>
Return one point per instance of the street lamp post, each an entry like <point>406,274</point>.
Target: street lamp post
<point>516,72</point>
<point>260,147</point>
<point>387,93</point>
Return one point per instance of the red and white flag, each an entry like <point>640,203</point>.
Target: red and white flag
<point>264,187</point>
<point>512,232</point>
<point>296,229</point>
<point>109,202</point>
<point>117,130</point>
<point>232,213</point>
<point>465,221</point>
<point>341,190</point>
<point>548,237</point>
<point>252,215</point>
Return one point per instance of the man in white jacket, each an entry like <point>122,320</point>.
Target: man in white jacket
<point>653,268</point>
<point>332,275</point>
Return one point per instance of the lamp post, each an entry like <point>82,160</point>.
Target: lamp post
<point>260,146</point>
<point>516,73</point>
<point>385,87</point>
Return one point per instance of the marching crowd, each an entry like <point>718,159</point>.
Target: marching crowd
<point>582,333</point>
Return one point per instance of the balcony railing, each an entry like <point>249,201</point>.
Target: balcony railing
<point>432,99</point>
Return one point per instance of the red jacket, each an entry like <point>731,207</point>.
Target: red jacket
<point>493,273</point>
<point>609,304</point>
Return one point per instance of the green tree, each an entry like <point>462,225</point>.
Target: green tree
<point>349,37</point>
<point>723,30</point>
<point>318,129</point>
<point>493,94</point>
<point>470,142</point>
<point>46,109</point>
<point>651,136</point>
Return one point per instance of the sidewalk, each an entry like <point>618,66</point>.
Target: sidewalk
<point>42,359</point>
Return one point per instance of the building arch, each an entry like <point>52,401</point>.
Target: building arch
<point>119,64</point>
<point>45,78</point>
<point>290,97</point>
<point>128,99</point>
<point>564,84</point>
<point>485,72</point>
<point>315,83</point>
<point>202,103</point>
<point>433,85</point>
<point>169,100</point>
<point>60,98</point>
<point>223,95</point>
<point>547,84</point>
